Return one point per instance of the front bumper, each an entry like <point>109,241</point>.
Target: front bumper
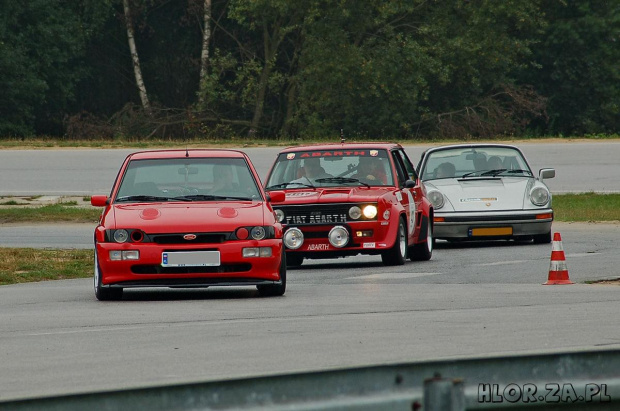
<point>504,224</point>
<point>234,269</point>
<point>367,237</point>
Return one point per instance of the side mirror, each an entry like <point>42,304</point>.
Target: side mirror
<point>544,173</point>
<point>409,184</point>
<point>276,196</point>
<point>99,200</point>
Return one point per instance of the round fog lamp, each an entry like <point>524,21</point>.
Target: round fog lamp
<point>121,236</point>
<point>338,236</point>
<point>293,238</point>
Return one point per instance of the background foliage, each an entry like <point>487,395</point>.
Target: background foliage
<point>406,69</point>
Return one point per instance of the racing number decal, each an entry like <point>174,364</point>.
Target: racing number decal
<point>412,212</point>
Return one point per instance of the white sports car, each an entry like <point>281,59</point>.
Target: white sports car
<point>486,191</point>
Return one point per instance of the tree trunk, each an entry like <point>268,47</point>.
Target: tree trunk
<point>204,57</point>
<point>134,56</point>
<point>271,47</point>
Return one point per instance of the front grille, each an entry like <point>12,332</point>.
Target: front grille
<point>158,269</point>
<point>201,238</point>
<point>316,214</point>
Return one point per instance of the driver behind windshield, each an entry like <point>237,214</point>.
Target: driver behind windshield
<point>312,171</point>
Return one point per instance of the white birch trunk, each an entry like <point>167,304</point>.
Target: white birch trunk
<point>134,56</point>
<point>204,57</point>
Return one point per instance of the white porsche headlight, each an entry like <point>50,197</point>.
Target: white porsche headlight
<point>539,196</point>
<point>436,198</point>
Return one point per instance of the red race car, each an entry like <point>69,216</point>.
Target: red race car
<point>188,218</point>
<point>347,199</point>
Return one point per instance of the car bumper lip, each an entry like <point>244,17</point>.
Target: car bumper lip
<point>140,273</point>
<point>458,225</point>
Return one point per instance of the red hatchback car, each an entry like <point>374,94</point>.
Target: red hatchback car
<point>348,199</point>
<point>187,218</point>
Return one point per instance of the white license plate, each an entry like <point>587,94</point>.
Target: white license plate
<point>190,259</point>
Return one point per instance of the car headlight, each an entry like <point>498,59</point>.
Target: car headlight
<point>355,212</point>
<point>539,196</point>
<point>436,198</point>
<point>293,238</point>
<point>370,211</point>
<point>258,233</point>
<point>121,236</point>
<point>338,236</point>
<point>279,215</point>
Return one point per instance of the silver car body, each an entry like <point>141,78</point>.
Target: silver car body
<point>478,200</point>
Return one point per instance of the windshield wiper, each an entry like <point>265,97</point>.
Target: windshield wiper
<point>208,197</point>
<point>141,198</point>
<point>520,171</point>
<point>469,174</point>
<point>494,173</point>
<point>340,180</point>
<point>284,185</point>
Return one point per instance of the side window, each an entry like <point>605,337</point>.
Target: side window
<point>400,168</point>
<point>408,165</point>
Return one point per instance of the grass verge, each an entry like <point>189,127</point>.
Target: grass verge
<point>585,207</point>
<point>53,213</point>
<point>22,265</point>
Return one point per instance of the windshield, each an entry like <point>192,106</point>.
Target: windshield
<point>330,168</point>
<point>187,179</point>
<point>467,162</point>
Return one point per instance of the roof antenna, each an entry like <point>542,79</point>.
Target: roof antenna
<point>342,136</point>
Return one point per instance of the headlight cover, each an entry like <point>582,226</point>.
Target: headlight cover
<point>436,198</point>
<point>539,196</point>
<point>338,236</point>
<point>293,238</point>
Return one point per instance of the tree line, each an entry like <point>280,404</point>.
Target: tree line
<point>376,69</point>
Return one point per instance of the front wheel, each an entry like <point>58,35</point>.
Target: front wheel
<point>543,238</point>
<point>104,294</point>
<point>294,260</point>
<point>398,253</point>
<point>423,251</point>
<point>275,290</point>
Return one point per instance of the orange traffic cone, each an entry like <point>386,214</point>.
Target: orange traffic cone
<point>558,272</point>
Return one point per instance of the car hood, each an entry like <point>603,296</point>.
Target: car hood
<point>186,217</point>
<point>475,194</point>
<point>335,195</point>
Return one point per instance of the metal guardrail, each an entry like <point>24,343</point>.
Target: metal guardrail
<point>576,380</point>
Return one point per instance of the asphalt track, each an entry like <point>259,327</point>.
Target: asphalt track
<point>474,299</point>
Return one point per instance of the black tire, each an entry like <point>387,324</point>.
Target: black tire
<point>294,260</point>
<point>275,290</point>
<point>543,238</point>
<point>398,253</point>
<point>423,251</point>
<point>103,293</point>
